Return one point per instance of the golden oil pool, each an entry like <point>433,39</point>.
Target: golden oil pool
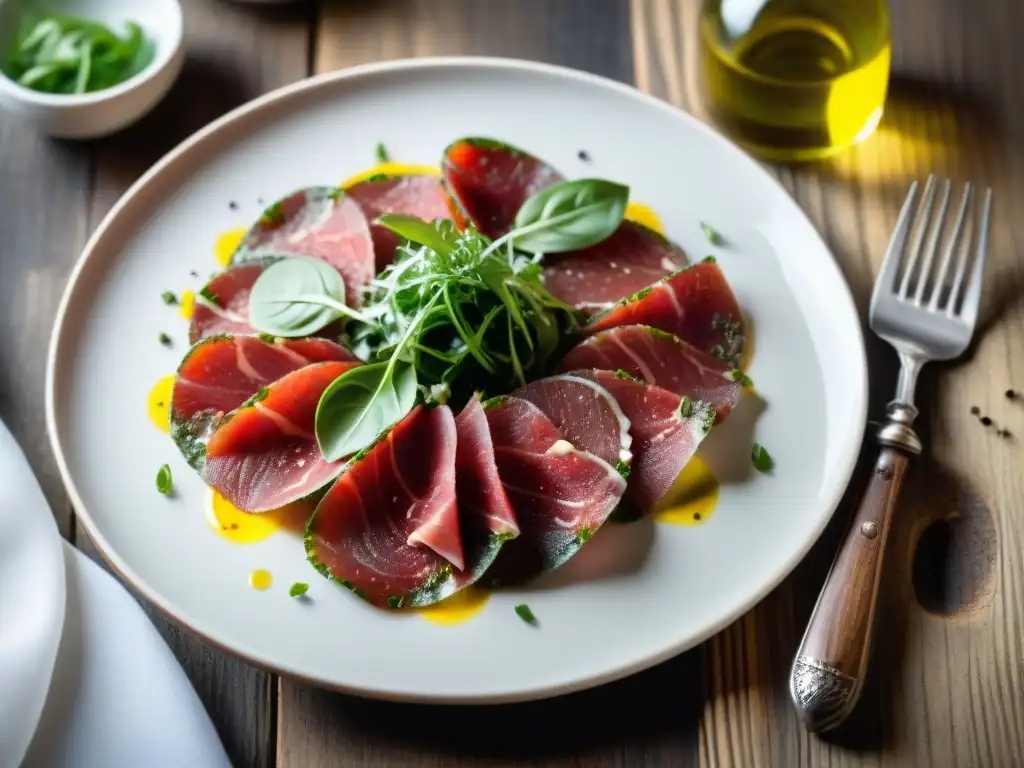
<point>795,80</point>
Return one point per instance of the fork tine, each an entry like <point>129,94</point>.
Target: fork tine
<point>933,246</point>
<point>947,256</point>
<point>972,297</point>
<point>886,281</point>
<point>915,250</point>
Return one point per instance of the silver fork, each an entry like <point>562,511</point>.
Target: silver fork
<point>926,312</point>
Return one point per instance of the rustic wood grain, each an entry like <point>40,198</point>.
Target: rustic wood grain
<point>945,687</point>
<point>44,193</point>
<point>234,54</point>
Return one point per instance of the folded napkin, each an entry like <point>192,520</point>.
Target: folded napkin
<point>118,696</point>
<point>86,681</point>
<point>31,600</point>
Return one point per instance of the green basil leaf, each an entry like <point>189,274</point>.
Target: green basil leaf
<point>362,403</point>
<point>297,297</point>
<point>569,216</point>
<point>416,230</point>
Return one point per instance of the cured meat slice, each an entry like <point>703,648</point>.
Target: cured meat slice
<point>478,486</point>
<point>487,182</point>
<point>264,454</point>
<point>222,372</point>
<point>695,303</point>
<point>561,495</point>
<point>659,358</point>
<point>321,222</point>
<point>419,196</point>
<point>666,432</point>
<point>222,306</point>
<point>594,278</point>
<point>389,528</point>
<point>585,413</point>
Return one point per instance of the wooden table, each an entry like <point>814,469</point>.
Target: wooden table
<point>947,684</point>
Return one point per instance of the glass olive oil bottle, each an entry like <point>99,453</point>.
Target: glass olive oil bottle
<point>795,79</point>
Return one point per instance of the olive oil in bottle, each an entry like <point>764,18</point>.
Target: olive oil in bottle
<point>794,80</point>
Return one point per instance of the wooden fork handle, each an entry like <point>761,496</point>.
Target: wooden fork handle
<point>829,669</point>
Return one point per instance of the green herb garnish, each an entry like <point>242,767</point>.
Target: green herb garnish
<point>297,297</point>
<point>396,601</point>
<point>169,297</point>
<point>523,612</point>
<point>55,53</point>
<point>163,480</point>
<point>740,378</point>
<point>686,407</point>
<point>711,234</point>
<point>454,313</point>
<point>382,153</point>
<point>761,459</point>
<point>165,339</point>
<point>299,588</point>
<point>569,216</point>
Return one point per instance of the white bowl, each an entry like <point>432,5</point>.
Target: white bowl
<point>92,115</point>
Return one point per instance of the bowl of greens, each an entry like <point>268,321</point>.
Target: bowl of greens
<point>87,68</point>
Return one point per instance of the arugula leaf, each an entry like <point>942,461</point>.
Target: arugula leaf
<point>416,231</point>
<point>569,216</point>
<point>297,297</point>
<point>362,403</point>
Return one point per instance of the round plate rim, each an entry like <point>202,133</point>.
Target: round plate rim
<point>255,106</point>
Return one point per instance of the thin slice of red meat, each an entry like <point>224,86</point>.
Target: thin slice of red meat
<point>222,306</point>
<point>420,196</point>
<point>488,181</point>
<point>478,486</point>
<point>389,528</point>
<point>631,259</point>
<point>561,495</point>
<point>696,304</point>
<point>666,432</point>
<point>586,414</point>
<point>264,454</point>
<point>222,372</point>
<point>321,222</point>
<point>659,358</point>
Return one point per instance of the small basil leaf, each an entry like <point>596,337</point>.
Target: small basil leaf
<point>416,230</point>
<point>296,297</point>
<point>569,216</point>
<point>362,403</point>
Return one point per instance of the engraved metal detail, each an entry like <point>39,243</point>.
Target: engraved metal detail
<point>897,431</point>
<point>869,530</point>
<point>823,695</point>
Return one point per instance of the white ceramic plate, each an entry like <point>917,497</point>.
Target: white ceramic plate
<point>642,593</point>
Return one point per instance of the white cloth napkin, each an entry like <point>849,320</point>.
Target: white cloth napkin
<point>86,681</point>
<point>31,600</point>
<point>118,696</point>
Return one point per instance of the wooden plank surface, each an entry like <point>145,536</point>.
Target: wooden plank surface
<point>947,683</point>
